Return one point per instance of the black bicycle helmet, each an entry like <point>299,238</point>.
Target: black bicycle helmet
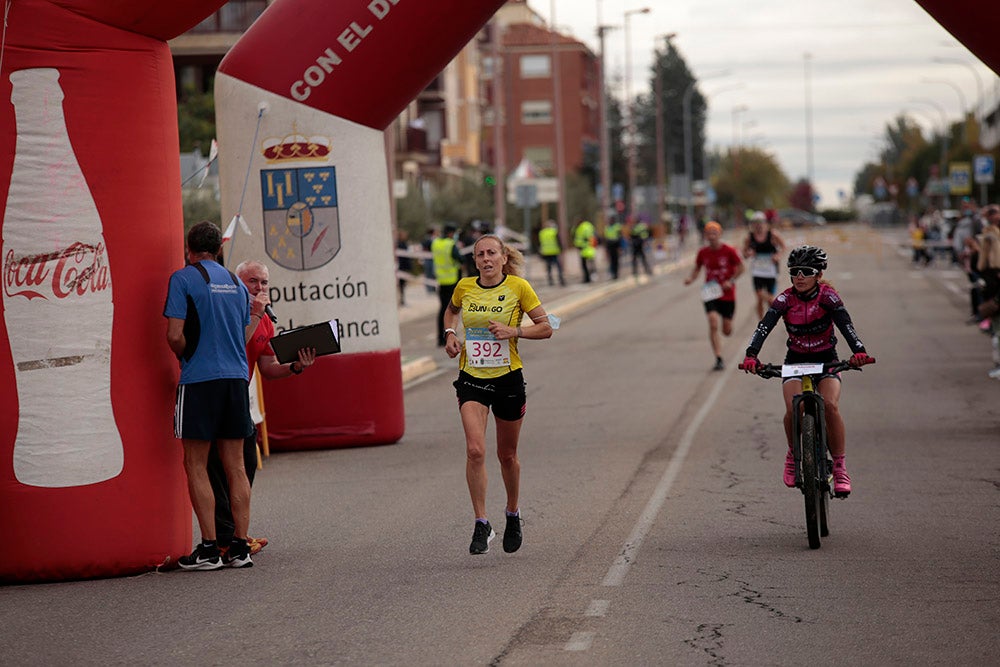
<point>808,255</point>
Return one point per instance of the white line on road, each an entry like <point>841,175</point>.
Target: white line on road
<point>597,608</point>
<point>618,570</point>
<point>579,641</point>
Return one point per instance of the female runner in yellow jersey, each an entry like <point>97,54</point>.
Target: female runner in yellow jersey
<point>492,307</point>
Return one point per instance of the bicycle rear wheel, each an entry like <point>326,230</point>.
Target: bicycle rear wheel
<point>810,480</point>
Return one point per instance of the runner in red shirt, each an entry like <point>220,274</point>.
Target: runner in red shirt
<point>722,267</point>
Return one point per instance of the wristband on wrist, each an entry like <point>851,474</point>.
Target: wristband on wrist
<point>291,367</point>
<point>519,332</point>
<point>450,331</point>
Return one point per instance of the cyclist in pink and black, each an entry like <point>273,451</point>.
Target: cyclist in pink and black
<point>811,308</point>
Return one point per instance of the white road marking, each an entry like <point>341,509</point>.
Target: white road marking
<point>618,570</point>
<point>597,608</point>
<point>579,641</point>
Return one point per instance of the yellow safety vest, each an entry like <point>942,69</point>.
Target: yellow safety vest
<point>613,232</point>
<point>548,241</point>
<point>581,239</point>
<point>445,266</point>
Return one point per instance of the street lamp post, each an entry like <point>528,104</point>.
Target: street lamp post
<point>945,137</point>
<point>953,86</point>
<point>631,153</point>
<point>971,68</point>
<point>602,106</point>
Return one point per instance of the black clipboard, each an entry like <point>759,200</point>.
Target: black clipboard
<point>322,336</point>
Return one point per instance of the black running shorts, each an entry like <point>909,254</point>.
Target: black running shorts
<point>504,394</point>
<point>723,308</point>
<point>217,409</point>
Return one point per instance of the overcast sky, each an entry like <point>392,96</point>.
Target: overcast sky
<point>867,62</point>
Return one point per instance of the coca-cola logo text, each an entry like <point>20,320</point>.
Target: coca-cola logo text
<point>79,269</point>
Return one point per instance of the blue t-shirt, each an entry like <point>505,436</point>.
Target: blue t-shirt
<point>215,324</point>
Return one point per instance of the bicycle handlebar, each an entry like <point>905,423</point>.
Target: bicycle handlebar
<point>774,370</point>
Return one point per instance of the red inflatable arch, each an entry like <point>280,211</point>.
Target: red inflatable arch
<point>91,482</point>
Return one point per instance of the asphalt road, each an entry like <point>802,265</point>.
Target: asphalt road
<point>657,530</point>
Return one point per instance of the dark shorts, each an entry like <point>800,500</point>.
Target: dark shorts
<point>217,409</point>
<point>723,308</point>
<point>505,394</point>
<point>769,284</point>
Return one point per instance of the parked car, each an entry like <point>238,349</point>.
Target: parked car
<point>798,218</point>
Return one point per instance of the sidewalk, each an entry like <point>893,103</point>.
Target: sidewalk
<point>420,354</point>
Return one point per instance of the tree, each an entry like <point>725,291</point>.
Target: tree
<point>748,177</point>
<point>802,195</point>
<point>195,120</point>
<point>676,78</point>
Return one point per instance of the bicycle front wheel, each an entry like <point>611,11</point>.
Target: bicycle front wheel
<point>810,479</point>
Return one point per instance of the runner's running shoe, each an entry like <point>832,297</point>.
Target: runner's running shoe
<point>238,554</point>
<point>841,480</point>
<point>202,558</point>
<point>788,477</point>
<point>481,538</point>
<point>512,534</point>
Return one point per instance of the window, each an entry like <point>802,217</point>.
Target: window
<point>536,112</point>
<point>535,67</point>
<point>541,157</point>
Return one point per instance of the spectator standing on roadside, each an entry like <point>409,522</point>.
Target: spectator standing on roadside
<point>638,236</point>
<point>988,267</point>
<point>447,268</point>
<point>550,249</point>
<point>254,276</point>
<point>722,267</point>
<point>585,239</point>
<point>208,313</point>
<point>429,277</point>
<point>613,245</point>
<point>966,229</point>
<point>404,264</point>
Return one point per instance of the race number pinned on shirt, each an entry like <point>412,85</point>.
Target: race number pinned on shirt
<point>711,291</point>
<point>483,350</point>
<point>763,266</point>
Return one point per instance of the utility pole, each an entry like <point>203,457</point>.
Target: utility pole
<point>499,156</point>
<point>605,142</point>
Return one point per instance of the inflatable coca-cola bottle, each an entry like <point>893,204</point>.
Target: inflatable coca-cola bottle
<point>57,298</point>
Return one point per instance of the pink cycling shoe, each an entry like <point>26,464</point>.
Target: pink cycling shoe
<point>789,475</point>
<point>841,480</point>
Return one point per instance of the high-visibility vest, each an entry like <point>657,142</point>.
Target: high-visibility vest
<point>640,231</point>
<point>548,241</point>
<point>582,239</point>
<point>445,266</point>
<point>613,232</point>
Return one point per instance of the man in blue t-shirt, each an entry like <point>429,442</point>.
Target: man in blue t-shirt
<point>208,312</point>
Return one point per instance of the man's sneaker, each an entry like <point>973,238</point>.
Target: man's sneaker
<point>256,544</point>
<point>202,558</point>
<point>788,477</point>
<point>995,373</point>
<point>719,365</point>
<point>841,481</point>
<point>238,554</point>
<point>481,538</point>
<point>512,534</point>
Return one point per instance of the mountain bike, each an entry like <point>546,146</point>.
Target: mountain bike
<point>813,464</point>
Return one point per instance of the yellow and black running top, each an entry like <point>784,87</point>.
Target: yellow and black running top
<point>482,355</point>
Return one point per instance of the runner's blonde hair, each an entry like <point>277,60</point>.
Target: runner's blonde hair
<point>515,260</point>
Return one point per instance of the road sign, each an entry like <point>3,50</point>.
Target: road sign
<point>960,178</point>
<point>983,169</point>
<point>526,195</point>
<point>547,189</point>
